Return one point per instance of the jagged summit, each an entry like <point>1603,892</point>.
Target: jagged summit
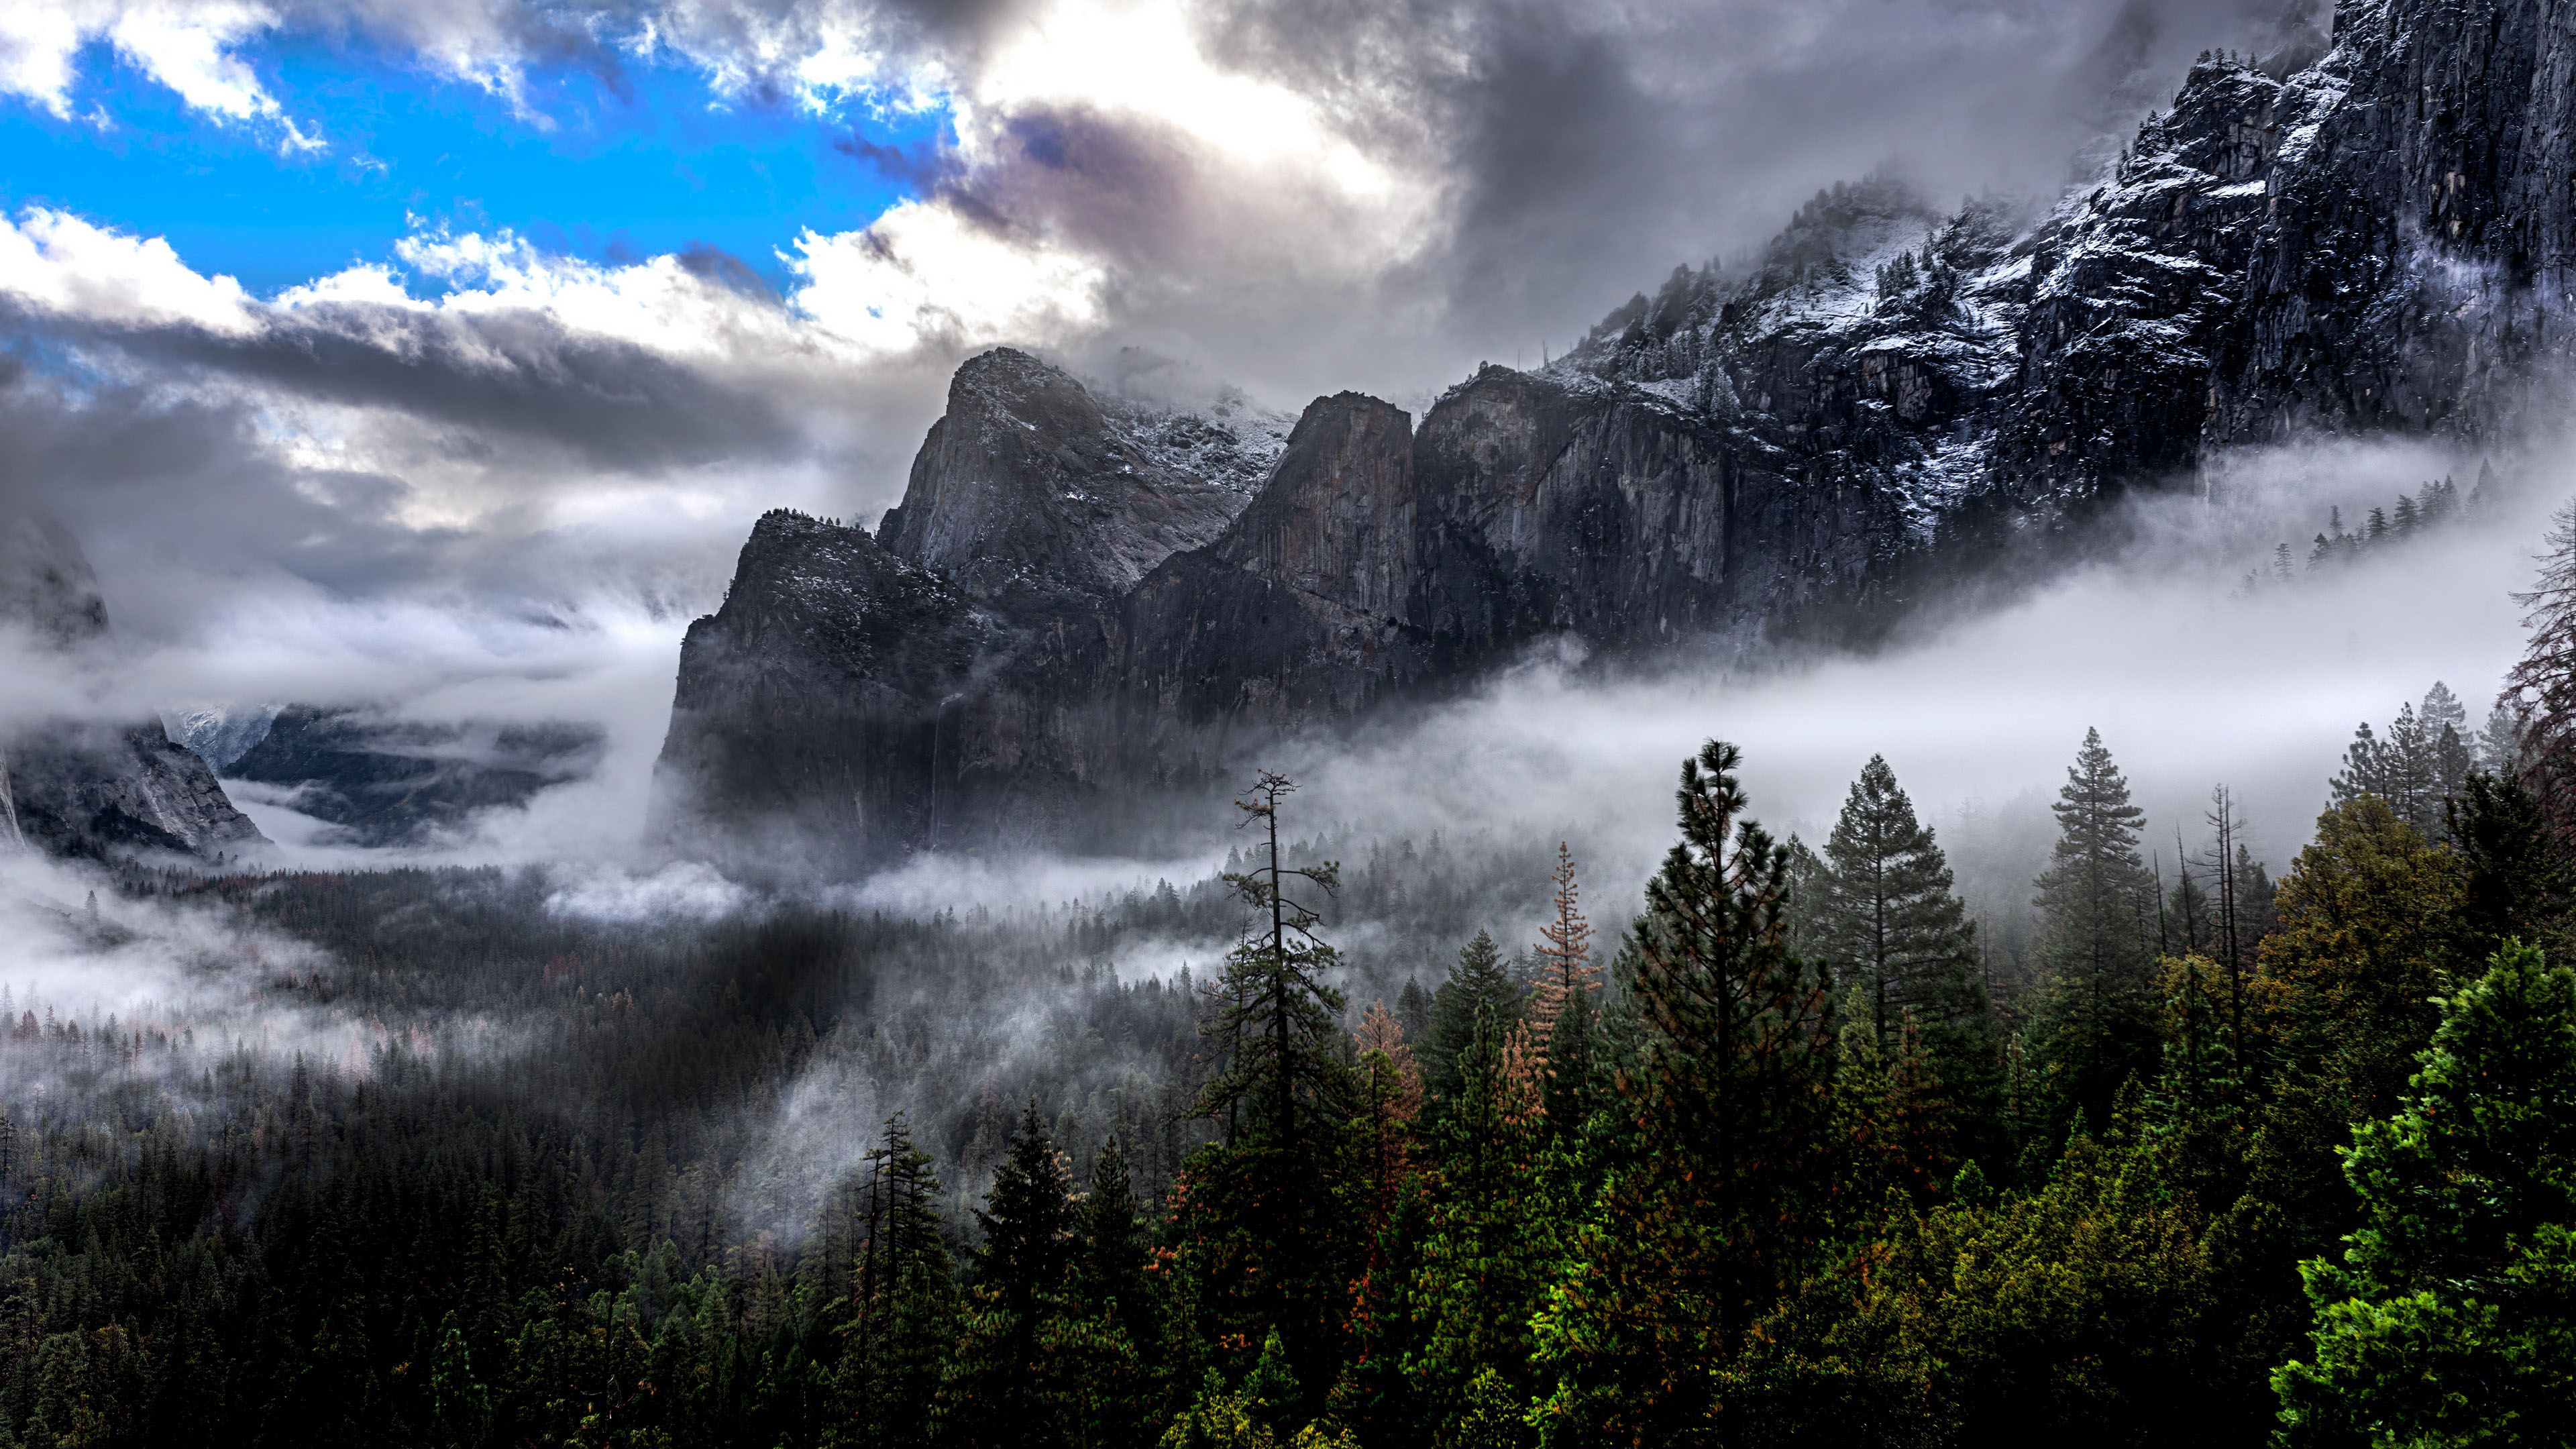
<point>1030,492</point>
<point>1894,396</point>
<point>85,786</point>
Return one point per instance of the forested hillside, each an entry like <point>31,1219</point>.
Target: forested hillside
<point>1416,1149</point>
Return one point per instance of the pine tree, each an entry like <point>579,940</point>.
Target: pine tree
<point>2540,691</point>
<point>1002,1389</point>
<point>1480,980</point>
<point>2452,1317</point>
<point>1560,1006</point>
<point>2422,763</point>
<point>1897,1120</point>
<point>2366,913</point>
<point>1097,1355</point>
<point>2365,769</point>
<point>904,1299</point>
<point>2514,883</point>
<point>2497,748</point>
<point>1717,1203</point>
<point>1391,1091</point>
<point>1891,925</point>
<point>1278,1021</point>
<point>2096,1026</point>
<point>1111,1253</point>
<point>1413,1009</point>
<point>1484,1257</point>
<point>1027,1220</point>
<point>1274,1246</point>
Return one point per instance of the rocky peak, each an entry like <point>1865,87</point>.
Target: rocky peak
<point>826,595</point>
<point>46,586</point>
<point>1032,497</point>
<point>85,786</point>
<point>1337,519</point>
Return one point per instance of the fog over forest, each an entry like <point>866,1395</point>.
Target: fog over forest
<point>1069,724</point>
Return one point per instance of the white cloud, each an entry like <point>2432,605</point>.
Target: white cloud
<point>58,263</point>
<point>683,890</point>
<point>926,276</point>
<point>189,49</point>
<point>191,46</point>
<point>37,44</point>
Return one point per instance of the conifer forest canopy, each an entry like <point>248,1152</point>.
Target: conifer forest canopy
<point>699,748</point>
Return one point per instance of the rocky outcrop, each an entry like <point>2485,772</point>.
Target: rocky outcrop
<point>1048,634</point>
<point>82,786</point>
<point>2421,240</point>
<point>809,705</point>
<point>382,782</point>
<point>1027,496</point>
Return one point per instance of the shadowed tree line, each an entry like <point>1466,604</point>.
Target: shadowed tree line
<point>2243,1160</point>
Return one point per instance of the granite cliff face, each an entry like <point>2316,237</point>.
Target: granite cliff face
<point>1055,628</point>
<point>1029,496</point>
<point>83,787</point>
<point>2418,258</point>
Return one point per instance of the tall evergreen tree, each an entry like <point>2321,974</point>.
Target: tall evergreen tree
<point>1274,1246</point>
<point>1561,1000</point>
<point>1810,891</point>
<point>1480,980</point>
<point>1279,1018</point>
<point>1027,1220</point>
<point>1001,1390</point>
<point>1109,1270</point>
<point>2367,914</point>
<point>1716,1203</point>
<point>1100,1354</point>
<point>1413,1009</point>
<point>2096,1025</point>
<point>1485,1253</point>
<point>904,1297</point>
<point>2514,883</point>
<point>2421,764</point>
<point>1891,925</point>
<point>1391,1099</point>
<point>2452,1317</point>
<point>2539,696</point>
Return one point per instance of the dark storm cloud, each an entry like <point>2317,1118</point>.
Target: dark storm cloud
<point>152,483</point>
<point>1131,188</point>
<point>501,375</point>
<point>920,170</point>
<point>1592,147</point>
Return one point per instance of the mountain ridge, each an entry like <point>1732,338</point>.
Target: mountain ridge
<point>1893,399</point>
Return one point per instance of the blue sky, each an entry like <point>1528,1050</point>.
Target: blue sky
<point>608,165</point>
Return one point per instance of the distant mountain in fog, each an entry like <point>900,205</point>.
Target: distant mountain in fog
<point>84,785</point>
<point>382,781</point>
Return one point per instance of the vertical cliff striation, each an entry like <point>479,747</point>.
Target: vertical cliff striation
<point>1061,624</point>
